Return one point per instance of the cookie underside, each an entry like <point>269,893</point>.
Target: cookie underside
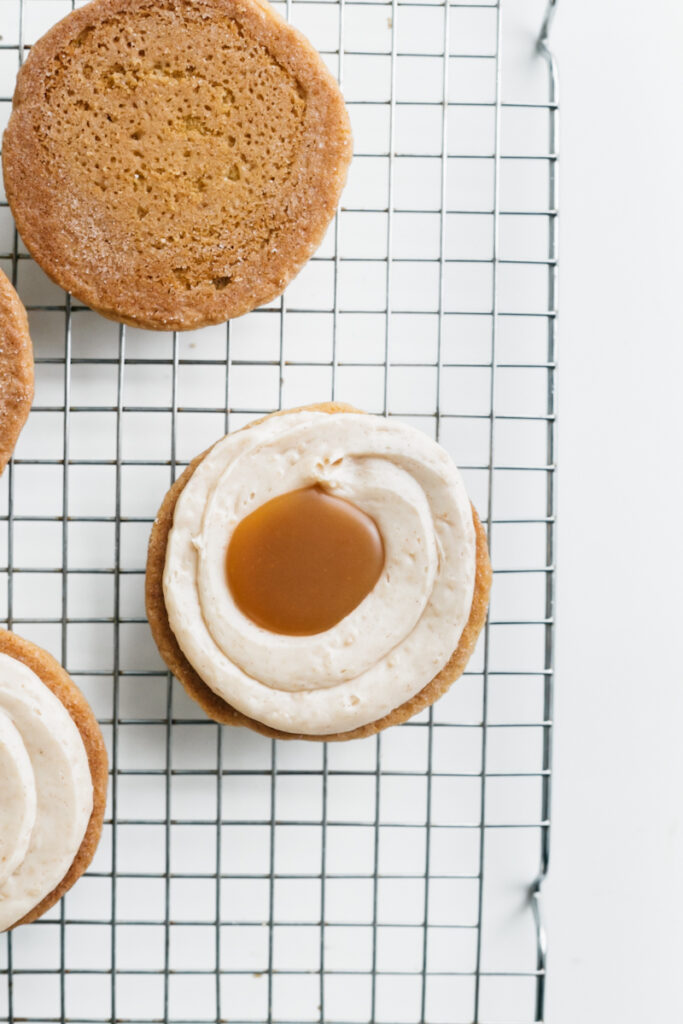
<point>16,369</point>
<point>174,164</point>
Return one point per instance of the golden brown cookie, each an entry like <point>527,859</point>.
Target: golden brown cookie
<point>51,673</point>
<point>219,709</point>
<point>16,369</point>
<point>174,164</point>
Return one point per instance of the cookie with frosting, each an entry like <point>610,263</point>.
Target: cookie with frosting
<point>53,768</point>
<point>16,369</point>
<point>320,574</point>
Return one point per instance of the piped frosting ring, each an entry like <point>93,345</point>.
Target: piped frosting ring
<point>396,640</point>
<point>18,805</point>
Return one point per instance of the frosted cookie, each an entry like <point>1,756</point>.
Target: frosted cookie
<point>16,369</point>
<point>174,164</point>
<point>53,781</point>
<point>320,574</point>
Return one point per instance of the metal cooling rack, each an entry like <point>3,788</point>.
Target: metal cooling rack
<point>395,879</point>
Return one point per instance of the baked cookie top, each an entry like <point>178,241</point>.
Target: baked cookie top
<point>16,369</point>
<point>174,163</point>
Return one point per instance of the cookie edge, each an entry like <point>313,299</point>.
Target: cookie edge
<point>287,39</point>
<point>15,323</point>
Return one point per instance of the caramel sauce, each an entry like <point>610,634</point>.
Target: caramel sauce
<point>300,563</point>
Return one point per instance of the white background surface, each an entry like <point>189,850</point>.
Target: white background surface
<point>615,896</point>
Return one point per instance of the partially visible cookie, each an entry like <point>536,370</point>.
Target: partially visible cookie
<point>174,164</point>
<point>16,369</point>
<point>88,760</point>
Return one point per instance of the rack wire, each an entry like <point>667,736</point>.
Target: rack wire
<point>394,879</point>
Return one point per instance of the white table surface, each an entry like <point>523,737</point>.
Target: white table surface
<point>615,895</point>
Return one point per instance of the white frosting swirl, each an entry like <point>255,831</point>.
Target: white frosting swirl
<point>396,640</point>
<point>46,793</point>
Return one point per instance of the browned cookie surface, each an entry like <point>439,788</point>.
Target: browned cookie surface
<point>219,709</point>
<point>174,163</point>
<point>16,369</point>
<point>51,673</point>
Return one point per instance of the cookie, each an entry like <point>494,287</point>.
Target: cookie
<point>174,164</point>
<point>16,369</point>
<point>220,709</point>
<point>51,675</point>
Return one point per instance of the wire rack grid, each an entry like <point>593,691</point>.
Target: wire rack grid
<point>394,879</point>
